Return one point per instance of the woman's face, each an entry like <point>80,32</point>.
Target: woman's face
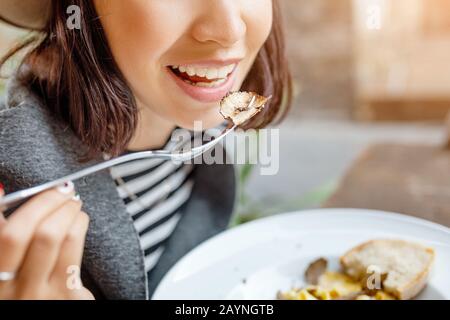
<point>180,57</point>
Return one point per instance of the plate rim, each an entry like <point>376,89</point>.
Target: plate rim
<point>324,211</point>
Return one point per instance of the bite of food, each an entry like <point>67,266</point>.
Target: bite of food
<point>235,106</point>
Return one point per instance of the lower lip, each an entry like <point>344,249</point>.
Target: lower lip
<point>203,94</point>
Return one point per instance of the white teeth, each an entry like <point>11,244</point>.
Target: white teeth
<point>230,68</point>
<point>212,74</point>
<point>202,72</point>
<point>209,84</point>
<point>209,73</point>
<point>223,72</point>
<point>190,71</point>
<point>206,84</point>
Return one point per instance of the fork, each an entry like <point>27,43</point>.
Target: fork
<point>16,198</point>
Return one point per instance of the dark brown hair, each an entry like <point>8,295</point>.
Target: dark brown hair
<point>79,81</point>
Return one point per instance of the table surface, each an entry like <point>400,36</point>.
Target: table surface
<point>408,179</point>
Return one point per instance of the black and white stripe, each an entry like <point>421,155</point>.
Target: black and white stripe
<point>154,191</point>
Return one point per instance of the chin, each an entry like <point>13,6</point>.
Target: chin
<point>203,122</point>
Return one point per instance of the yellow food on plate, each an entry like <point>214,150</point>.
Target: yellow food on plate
<point>382,269</point>
<point>341,283</point>
<point>332,286</point>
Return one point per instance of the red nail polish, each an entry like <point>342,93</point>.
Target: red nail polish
<point>1,186</point>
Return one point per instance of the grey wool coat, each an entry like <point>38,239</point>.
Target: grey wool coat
<point>35,147</point>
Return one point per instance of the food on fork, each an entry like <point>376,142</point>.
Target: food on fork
<point>374,270</point>
<point>235,106</point>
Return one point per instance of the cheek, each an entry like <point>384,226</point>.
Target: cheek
<point>138,46</point>
<point>259,17</point>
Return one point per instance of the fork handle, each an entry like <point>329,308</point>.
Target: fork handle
<point>14,199</point>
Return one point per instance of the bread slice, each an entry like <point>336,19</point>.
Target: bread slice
<point>234,106</point>
<point>406,265</point>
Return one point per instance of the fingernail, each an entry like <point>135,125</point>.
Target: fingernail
<point>1,187</point>
<point>66,188</point>
<point>76,197</point>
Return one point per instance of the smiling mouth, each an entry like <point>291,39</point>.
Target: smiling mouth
<point>201,76</point>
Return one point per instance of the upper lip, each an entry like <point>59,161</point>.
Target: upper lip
<point>209,63</point>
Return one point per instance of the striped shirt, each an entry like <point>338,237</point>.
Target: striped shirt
<point>154,191</point>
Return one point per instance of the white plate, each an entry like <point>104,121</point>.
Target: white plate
<point>257,259</point>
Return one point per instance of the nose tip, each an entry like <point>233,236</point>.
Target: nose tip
<point>224,29</point>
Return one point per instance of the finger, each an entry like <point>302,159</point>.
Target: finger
<point>71,253</point>
<point>16,233</point>
<point>44,248</point>
<point>41,205</point>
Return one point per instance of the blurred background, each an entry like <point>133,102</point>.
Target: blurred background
<point>367,129</point>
